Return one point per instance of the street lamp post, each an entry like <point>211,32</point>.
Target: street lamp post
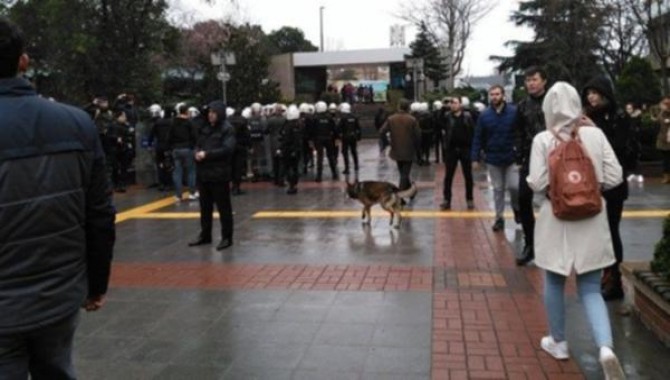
<point>223,59</point>
<point>321,25</point>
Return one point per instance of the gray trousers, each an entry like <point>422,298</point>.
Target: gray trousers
<point>504,177</point>
<point>45,353</point>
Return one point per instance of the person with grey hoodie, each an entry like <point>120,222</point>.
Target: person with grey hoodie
<point>583,246</point>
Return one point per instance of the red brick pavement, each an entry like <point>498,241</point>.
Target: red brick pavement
<point>488,315</point>
<point>259,276</point>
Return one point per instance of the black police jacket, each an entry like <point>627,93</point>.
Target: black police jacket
<point>56,213</point>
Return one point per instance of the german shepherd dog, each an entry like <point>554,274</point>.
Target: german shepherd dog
<point>388,195</point>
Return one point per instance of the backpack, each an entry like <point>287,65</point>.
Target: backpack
<point>573,187</point>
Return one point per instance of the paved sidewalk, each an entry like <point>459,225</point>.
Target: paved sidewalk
<point>307,292</point>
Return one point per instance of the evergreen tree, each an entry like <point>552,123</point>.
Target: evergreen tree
<point>566,39</point>
<point>434,66</point>
<point>638,83</point>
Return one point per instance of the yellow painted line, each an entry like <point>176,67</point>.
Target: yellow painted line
<point>142,210</point>
<point>646,214</point>
<point>338,214</point>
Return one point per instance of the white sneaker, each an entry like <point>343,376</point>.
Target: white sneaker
<point>558,350</point>
<point>631,178</point>
<point>177,199</point>
<point>640,178</point>
<point>611,366</point>
<point>194,196</point>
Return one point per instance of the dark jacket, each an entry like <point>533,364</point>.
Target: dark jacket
<point>380,117</point>
<point>56,211</point>
<point>463,121</point>
<point>183,134</point>
<point>616,128</point>
<point>242,134</point>
<point>529,122</point>
<point>160,131</point>
<point>405,136</point>
<point>274,125</point>
<point>495,136</point>
<point>350,127</point>
<point>290,138</point>
<point>323,127</point>
<point>426,123</point>
<point>218,142</point>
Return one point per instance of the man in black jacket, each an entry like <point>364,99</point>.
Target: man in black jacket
<point>460,129</point>
<point>57,220</point>
<point>529,122</point>
<point>213,152</point>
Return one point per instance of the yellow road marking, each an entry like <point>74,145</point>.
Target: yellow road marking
<point>136,212</point>
<point>338,214</point>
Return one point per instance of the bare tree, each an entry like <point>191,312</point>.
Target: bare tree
<point>653,16</point>
<point>449,22</point>
<point>622,36</point>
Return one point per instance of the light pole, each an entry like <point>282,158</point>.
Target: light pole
<point>321,25</point>
<point>222,59</point>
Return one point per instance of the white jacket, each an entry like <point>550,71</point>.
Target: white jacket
<point>560,245</point>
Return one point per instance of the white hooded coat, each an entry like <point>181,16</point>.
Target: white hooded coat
<point>561,245</point>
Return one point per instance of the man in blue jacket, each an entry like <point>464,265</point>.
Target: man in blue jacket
<point>57,221</point>
<point>494,136</point>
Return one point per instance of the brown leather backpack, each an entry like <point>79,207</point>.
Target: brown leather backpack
<point>573,186</point>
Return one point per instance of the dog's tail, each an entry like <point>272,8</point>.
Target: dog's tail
<point>408,193</point>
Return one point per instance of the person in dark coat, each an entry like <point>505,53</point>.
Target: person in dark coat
<point>213,152</point>
<point>460,130</point>
<point>405,138</point>
<point>242,146</point>
<point>121,140</point>
<point>159,134</point>
<point>529,122</point>
<point>380,119</point>
<point>57,235</point>
<point>350,130</point>
<point>601,107</point>
<point>324,134</point>
<point>290,142</point>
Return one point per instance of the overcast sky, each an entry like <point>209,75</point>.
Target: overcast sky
<point>363,24</point>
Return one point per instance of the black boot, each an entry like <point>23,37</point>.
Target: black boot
<point>527,255</point>
<point>200,240</point>
<point>225,243</point>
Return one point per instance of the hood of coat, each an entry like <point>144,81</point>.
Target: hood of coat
<point>221,111</point>
<point>604,87</point>
<point>562,107</point>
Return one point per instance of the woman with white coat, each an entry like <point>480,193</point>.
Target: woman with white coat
<point>584,246</point>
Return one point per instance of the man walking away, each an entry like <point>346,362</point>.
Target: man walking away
<point>57,220</point>
<point>494,136</point>
<point>405,135</point>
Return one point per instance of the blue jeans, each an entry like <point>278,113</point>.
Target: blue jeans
<point>504,177</point>
<point>183,158</point>
<point>45,353</point>
<point>588,287</point>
